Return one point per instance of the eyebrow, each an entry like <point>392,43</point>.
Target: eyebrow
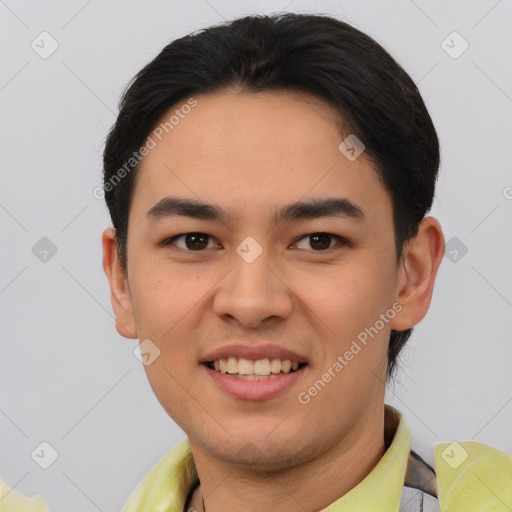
<point>301,210</point>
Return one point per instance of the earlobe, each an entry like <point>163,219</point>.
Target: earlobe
<point>417,273</point>
<point>120,295</point>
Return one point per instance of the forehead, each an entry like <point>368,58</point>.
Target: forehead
<point>254,150</point>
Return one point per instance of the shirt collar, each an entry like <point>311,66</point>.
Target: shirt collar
<point>168,484</point>
<point>382,488</point>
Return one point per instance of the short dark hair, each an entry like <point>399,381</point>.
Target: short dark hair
<point>312,53</point>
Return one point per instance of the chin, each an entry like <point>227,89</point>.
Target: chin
<point>260,451</point>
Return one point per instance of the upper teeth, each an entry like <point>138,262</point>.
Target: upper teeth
<point>249,367</point>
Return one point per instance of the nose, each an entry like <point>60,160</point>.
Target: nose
<point>253,292</point>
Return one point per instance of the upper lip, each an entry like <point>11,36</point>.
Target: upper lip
<point>254,353</point>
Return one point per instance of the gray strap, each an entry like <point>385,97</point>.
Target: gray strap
<point>414,500</point>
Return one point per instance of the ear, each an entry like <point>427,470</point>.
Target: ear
<point>417,272</point>
<point>120,295</point>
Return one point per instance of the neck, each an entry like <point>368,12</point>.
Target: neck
<point>309,486</point>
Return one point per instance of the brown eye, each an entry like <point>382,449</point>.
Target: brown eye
<point>192,241</point>
<point>320,241</point>
<point>196,241</point>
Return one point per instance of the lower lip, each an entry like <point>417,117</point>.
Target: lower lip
<point>255,389</point>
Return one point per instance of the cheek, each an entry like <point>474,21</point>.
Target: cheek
<point>350,299</point>
<point>167,307</point>
<point>351,303</point>
<point>161,299</point>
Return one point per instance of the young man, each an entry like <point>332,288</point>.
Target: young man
<point>268,181</point>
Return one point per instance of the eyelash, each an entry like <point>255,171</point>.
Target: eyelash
<point>341,240</point>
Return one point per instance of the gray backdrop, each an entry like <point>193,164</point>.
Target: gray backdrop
<point>68,378</point>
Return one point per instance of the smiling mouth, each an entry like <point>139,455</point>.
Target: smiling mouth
<point>260,369</point>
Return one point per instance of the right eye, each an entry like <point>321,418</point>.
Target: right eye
<point>193,242</point>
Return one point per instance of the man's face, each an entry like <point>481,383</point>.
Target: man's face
<point>246,282</point>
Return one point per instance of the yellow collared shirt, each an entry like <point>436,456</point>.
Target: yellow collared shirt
<point>469,477</point>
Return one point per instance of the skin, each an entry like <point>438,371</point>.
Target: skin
<point>251,154</point>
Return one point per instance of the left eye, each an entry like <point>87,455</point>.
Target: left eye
<point>322,241</point>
